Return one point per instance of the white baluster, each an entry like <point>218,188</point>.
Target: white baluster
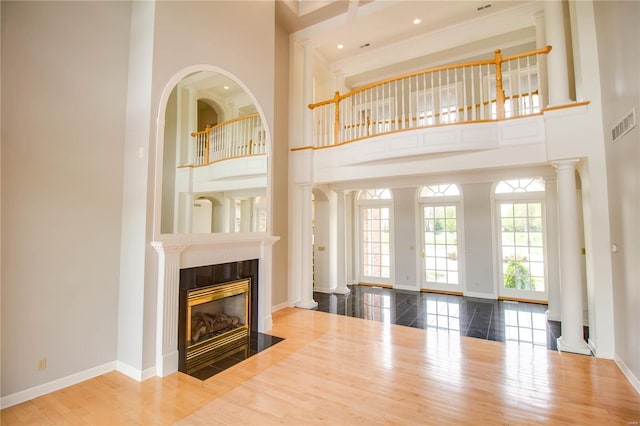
<point>473,95</point>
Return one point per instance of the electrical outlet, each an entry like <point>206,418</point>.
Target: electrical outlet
<point>42,363</point>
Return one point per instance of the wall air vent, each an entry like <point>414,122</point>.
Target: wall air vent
<point>623,126</point>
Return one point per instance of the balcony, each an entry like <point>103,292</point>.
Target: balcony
<point>229,156</point>
<point>465,116</point>
<point>480,91</point>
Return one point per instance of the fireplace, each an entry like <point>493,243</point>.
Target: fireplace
<point>216,310</point>
<point>217,323</point>
<point>180,255</point>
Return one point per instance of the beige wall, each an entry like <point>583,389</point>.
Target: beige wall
<point>64,82</point>
<point>618,48</point>
<point>77,196</point>
<point>280,169</point>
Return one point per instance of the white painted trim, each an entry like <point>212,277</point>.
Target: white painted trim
<point>635,382</point>
<point>308,305</point>
<point>324,290</point>
<point>134,373</point>
<point>406,287</point>
<point>551,316</point>
<point>282,305</point>
<point>592,347</point>
<point>267,322</point>
<point>45,388</point>
<point>480,295</point>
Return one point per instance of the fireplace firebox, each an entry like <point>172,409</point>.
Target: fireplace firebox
<point>217,323</point>
<point>217,310</point>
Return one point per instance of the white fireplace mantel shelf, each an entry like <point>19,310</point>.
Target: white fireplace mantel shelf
<point>179,251</point>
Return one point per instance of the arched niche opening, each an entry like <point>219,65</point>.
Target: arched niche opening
<point>214,146</point>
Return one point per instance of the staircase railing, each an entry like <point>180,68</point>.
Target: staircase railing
<point>239,137</point>
<point>493,89</point>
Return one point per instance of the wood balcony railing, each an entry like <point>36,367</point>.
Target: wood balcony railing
<point>493,89</point>
<point>239,137</point>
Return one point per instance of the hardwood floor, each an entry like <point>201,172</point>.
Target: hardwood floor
<point>341,370</point>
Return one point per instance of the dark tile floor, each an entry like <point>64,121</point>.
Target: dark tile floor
<point>257,343</point>
<point>497,320</point>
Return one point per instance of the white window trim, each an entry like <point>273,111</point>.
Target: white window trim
<point>358,246</point>
<point>536,197</point>
<point>458,201</point>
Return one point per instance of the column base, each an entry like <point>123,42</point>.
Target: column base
<point>553,316</point>
<point>344,290</point>
<point>307,304</point>
<point>581,348</point>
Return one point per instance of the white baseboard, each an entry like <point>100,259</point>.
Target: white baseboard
<point>480,295</point>
<point>281,306</point>
<point>405,287</point>
<point>592,347</point>
<point>628,373</point>
<point>45,388</point>
<point>553,316</point>
<point>134,373</point>
<point>324,290</point>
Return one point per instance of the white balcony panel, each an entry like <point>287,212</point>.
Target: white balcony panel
<point>460,147</point>
<point>235,173</point>
<point>522,131</point>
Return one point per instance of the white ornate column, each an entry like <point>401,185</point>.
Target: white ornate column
<point>167,312</point>
<point>185,222</point>
<point>572,339</point>
<point>553,282</point>
<point>226,215</point>
<point>337,262</point>
<point>306,249</point>
<point>558,70</point>
<point>192,124</point>
<point>348,236</point>
<point>541,42</point>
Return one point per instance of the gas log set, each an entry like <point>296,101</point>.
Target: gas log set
<point>205,325</point>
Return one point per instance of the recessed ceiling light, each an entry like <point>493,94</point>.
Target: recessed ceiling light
<point>417,21</point>
<point>340,46</point>
<point>226,87</point>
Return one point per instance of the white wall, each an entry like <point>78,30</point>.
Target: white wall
<point>478,239</point>
<point>64,80</point>
<point>618,47</point>
<point>404,233</point>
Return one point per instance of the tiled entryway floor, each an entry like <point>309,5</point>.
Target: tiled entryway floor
<point>498,320</point>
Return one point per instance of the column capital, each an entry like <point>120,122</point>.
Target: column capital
<point>570,162</point>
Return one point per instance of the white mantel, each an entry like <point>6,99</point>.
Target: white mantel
<point>187,251</point>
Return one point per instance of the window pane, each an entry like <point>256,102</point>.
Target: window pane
<point>376,257</point>
<point>522,249</point>
<point>441,250</point>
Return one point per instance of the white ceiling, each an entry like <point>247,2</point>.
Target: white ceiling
<point>387,27</point>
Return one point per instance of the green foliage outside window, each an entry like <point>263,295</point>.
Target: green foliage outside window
<point>517,275</point>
